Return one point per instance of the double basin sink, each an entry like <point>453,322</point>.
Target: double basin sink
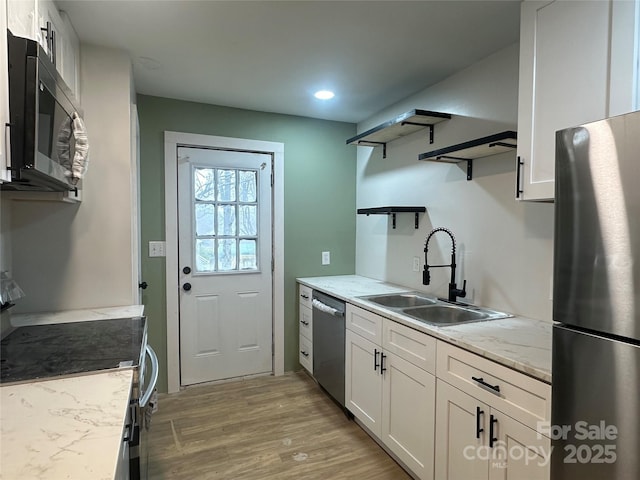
<point>433,311</point>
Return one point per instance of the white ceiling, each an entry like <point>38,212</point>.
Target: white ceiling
<point>272,55</point>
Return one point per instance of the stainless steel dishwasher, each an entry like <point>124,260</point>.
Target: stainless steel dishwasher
<point>328,344</point>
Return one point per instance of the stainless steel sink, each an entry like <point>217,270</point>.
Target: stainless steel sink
<point>433,311</point>
<point>400,300</point>
<point>447,314</point>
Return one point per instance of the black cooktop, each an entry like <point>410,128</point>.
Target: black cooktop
<point>44,351</point>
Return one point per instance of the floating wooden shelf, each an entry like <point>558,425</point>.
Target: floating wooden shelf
<point>471,150</point>
<point>400,126</point>
<point>392,211</point>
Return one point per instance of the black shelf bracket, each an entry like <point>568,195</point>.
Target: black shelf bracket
<point>370,143</point>
<point>429,125</point>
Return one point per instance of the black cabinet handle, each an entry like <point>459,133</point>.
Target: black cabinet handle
<point>480,380</point>
<point>304,323</point>
<point>519,164</point>
<point>382,367</point>
<point>306,297</point>
<point>492,420</point>
<point>304,353</point>
<point>479,429</point>
<point>375,359</point>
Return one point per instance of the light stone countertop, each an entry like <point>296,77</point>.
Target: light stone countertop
<point>64,428</point>
<point>81,315</point>
<point>520,343</point>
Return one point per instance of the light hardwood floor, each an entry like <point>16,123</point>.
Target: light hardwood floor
<point>262,428</point>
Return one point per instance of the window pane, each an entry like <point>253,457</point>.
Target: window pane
<point>227,254</point>
<point>205,257</point>
<point>203,184</point>
<point>248,220</point>
<point>226,185</point>
<point>226,220</point>
<point>248,257</point>
<point>248,185</point>
<point>205,219</point>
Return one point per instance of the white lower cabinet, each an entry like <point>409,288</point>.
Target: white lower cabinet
<point>475,438</point>
<point>305,319</point>
<point>391,396</point>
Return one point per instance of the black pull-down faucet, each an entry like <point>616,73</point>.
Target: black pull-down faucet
<point>454,291</point>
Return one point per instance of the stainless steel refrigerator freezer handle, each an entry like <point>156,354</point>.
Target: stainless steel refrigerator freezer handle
<point>154,376</point>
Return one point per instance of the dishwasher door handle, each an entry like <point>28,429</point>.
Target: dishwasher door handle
<point>326,308</point>
<point>154,376</point>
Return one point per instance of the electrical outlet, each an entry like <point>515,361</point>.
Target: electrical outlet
<point>326,258</point>
<point>157,249</point>
<point>416,264</point>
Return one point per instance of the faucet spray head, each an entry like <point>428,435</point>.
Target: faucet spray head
<point>426,276</point>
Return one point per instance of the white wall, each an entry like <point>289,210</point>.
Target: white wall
<point>504,247</point>
<point>80,256</point>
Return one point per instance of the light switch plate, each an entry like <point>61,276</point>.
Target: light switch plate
<point>157,249</point>
<point>326,258</point>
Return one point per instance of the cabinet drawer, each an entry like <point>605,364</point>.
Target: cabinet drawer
<point>304,295</point>
<point>521,397</point>
<point>364,323</point>
<point>305,355</point>
<point>415,347</point>
<point>305,319</point>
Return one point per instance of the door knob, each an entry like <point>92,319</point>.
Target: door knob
<point>186,270</point>
<point>186,287</point>
<point>143,285</point>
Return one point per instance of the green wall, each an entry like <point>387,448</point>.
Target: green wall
<point>319,198</point>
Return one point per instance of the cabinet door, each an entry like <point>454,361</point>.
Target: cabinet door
<point>564,68</point>
<point>363,381</point>
<point>408,414</point>
<point>520,452</point>
<point>461,435</point>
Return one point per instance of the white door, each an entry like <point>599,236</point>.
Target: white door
<point>225,258</point>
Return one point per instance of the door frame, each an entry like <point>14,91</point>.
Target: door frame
<point>172,140</point>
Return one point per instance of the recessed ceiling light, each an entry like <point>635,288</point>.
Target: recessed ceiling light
<point>324,95</point>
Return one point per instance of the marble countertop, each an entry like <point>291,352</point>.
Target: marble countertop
<point>64,428</point>
<point>521,343</point>
<point>66,316</point>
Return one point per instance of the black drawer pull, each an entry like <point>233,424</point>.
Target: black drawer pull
<point>375,359</point>
<point>382,367</point>
<point>304,353</point>
<point>306,297</point>
<point>480,380</point>
<point>492,439</point>
<point>478,422</point>
<point>304,323</point>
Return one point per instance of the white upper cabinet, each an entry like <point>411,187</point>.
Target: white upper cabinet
<point>40,20</point>
<point>576,66</point>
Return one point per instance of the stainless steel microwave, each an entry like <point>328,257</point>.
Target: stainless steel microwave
<point>41,109</point>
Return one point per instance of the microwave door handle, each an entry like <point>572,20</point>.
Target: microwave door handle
<point>154,376</point>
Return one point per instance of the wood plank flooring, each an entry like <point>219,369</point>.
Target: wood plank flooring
<point>262,428</point>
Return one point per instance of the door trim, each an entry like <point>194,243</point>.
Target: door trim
<point>171,142</point>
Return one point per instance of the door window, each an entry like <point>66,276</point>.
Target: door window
<point>225,206</point>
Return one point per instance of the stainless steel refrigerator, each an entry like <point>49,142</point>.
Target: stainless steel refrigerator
<point>596,346</point>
